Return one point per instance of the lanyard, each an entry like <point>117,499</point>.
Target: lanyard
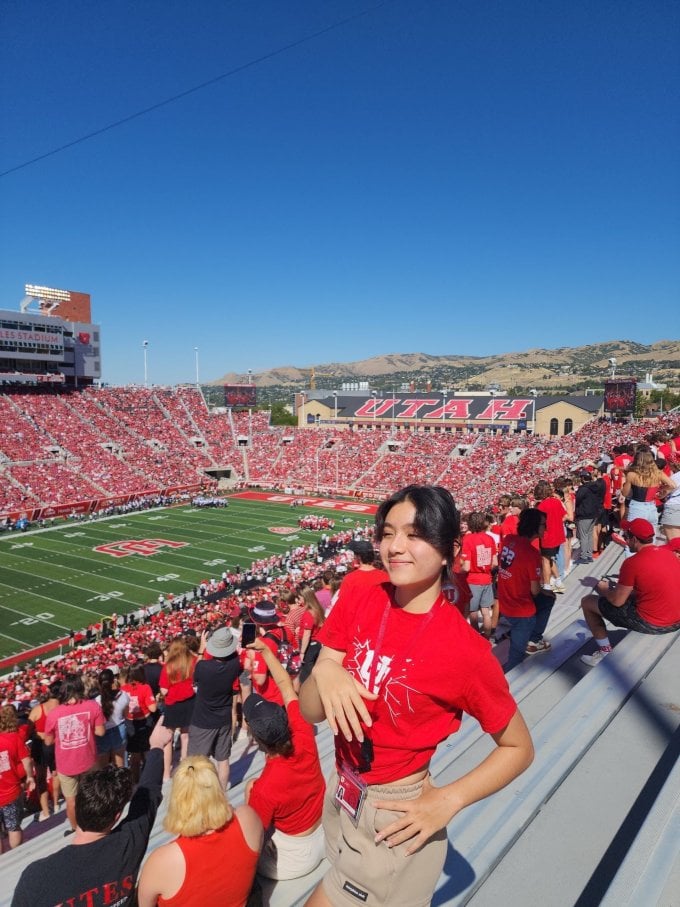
<point>409,644</point>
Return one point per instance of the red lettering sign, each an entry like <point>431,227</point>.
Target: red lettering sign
<point>413,406</point>
<point>505,409</point>
<point>143,547</point>
<point>454,409</point>
<point>377,407</point>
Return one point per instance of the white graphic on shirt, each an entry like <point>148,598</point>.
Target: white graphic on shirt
<point>396,692</point>
<point>483,555</point>
<point>74,730</point>
<point>5,764</point>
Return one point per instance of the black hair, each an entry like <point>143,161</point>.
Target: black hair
<point>437,519</point>
<point>71,688</point>
<point>530,522</point>
<point>106,691</point>
<point>102,796</point>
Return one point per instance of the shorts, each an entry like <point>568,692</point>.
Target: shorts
<point>138,742</point>
<point>671,512</point>
<point>627,617</point>
<point>12,813</point>
<point>363,872</point>
<point>42,753</point>
<point>69,784</point>
<point>178,715</point>
<point>210,741</point>
<point>550,552</point>
<point>114,739</point>
<point>482,597</point>
<point>291,856</point>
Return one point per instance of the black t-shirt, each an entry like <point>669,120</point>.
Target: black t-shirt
<point>214,680</point>
<point>152,673</point>
<point>103,873</point>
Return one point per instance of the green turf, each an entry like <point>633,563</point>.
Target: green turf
<point>53,581</point>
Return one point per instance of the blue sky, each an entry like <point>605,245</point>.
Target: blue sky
<point>449,178</point>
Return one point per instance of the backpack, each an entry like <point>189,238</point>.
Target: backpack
<point>286,649</point>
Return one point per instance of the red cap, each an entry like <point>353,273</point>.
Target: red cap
<point>641,529</point>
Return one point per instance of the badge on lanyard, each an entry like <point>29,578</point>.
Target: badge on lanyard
<point>350,793</point>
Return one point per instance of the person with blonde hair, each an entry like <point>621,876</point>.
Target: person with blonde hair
<point>214,857</point>
<point>644,481</point>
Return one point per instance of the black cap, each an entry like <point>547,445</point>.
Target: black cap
<point>267,720</point>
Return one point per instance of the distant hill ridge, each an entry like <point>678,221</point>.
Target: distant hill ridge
<point>544,368</point>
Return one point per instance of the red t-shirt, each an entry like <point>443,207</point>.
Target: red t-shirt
<point>555,513</point>
<point>178,690</point>
<point>289,793</point>
<point>12,751</point>
<point>420,703</point>
<point>268,690</point>
<point>509,525</point>
<point>308,623</point>
<point>141,697</point>
<point>479,549</point>
<point>360,579</point>
<point>519,564</point>
<point>654,574</point>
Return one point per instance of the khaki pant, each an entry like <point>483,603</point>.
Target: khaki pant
<point>363,872</point>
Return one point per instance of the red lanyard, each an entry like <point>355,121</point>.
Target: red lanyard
<point>409,644</point>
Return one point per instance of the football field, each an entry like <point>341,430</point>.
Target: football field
<point>56,580</point>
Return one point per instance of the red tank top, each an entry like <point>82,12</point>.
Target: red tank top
<point>220,869</point>
<point>39,723</point>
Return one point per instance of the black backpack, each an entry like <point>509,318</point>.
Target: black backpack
<point>286,649</point>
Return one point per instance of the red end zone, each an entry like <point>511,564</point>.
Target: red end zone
<point>342,506</point>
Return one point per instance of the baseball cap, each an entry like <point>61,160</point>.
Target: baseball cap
<point>641,529</point>
<point>221,644</point>
<point>267,720</point>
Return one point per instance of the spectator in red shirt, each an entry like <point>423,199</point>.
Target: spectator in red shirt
<point>479,558</point>
<point>526,606</point>
<point>646,597</point>
<point>554,535</point>
<point>288,795</point>
<point>15,766</point>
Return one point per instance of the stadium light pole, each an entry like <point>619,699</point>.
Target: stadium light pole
<point>374,394</point>
<point>335,406</point>
<point>145,347</point>
<point>196,356</point>
<point>534,394</point>
<point>444,394</point>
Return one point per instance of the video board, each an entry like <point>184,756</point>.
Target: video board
<point>619,395</point>
<point>240,395</point>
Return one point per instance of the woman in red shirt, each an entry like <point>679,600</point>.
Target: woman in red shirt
<point>142,705</point>
<point>15,766</point>
<point>177,688</point>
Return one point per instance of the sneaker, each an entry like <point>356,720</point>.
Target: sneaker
<point>559,587</point>
<point>541,646</point>
<point>619,539</point>
<point>596,554</point>
<point>596,657</point>
<point>69,831</point>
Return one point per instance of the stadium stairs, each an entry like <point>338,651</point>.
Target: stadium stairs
<point>595,819</point>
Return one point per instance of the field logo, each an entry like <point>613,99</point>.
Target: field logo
<point>283,530</point>
<point>144,547</point>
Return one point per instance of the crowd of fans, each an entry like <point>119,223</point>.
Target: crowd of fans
<point>58,448</point>
<point>493,478</point>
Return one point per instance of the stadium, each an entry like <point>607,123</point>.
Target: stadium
<point>136,513</point>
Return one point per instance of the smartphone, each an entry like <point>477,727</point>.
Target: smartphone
<point>248,633</point>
